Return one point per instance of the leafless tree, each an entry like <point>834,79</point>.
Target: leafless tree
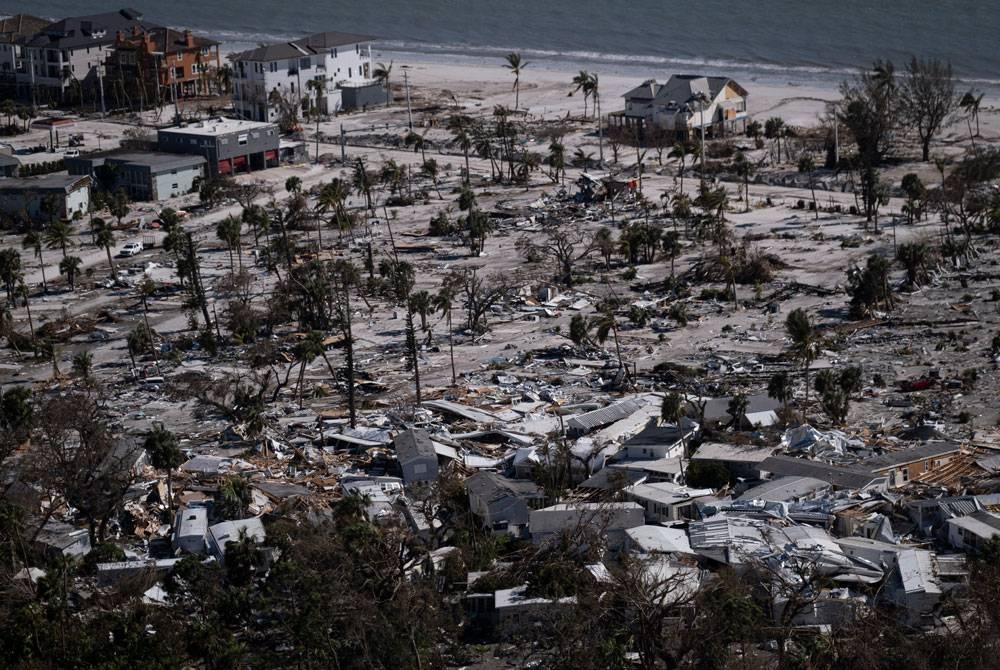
<point>927,99</point>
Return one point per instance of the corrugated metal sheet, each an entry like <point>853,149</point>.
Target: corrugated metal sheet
<point>584,423</point>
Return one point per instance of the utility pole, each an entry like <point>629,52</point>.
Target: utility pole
<point>173,94</point>
<point>31,67</point>
<point>100,86</point>
<point>343,145</point>
<point>600,124</point>
<point>406,83</point>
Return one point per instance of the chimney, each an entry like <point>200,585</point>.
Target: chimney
<point>188,39</point>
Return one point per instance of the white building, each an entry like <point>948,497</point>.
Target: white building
<point>270,76</point>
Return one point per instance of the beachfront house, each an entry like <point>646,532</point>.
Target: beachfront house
<point>67,57</point>
<point>162,63</point>
<point>14,32</point>
<point>272,81</point>
<point>683,106</point>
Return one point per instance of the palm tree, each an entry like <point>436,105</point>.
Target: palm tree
<point>774,129</point>
<point>164,454</point>
<point>808,166</point>
<point>671,243</point>
<point>235,496</point>
<point>779,387</point>
<point>22,293</point>
<point>332,198</point>
<point>459,127</point>
<point>744,170</point>
<point>10,270</point>
<point>33,240</point>
<point>382,74</point>
<point>70,266</point>
<point>443,302</point>
<point>516,66</point>
<point>363,181</point>
<point>224,77</point>
<point>417,141</point>
<point>581,82</point>
<point>679,152</point>
<point>293,185</point>
<point>970,103</point>
<point>804,341</point>
<point>229,231</point>
<point>104,237</point>
<point>672,411</point>
<point>557,160</point>
<point>83,365</point>
<point>59,236</point>
<point>305,351</point>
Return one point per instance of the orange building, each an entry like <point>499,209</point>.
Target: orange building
<point>161,63</point>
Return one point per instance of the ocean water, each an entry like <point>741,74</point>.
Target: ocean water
<point>782,40</point>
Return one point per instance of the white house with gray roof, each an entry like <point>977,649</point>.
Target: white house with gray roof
<point>274,74</point>
<point>685,104</point>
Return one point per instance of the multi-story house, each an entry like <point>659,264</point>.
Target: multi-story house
<point>272,81</point>
<point>684,106</point>
<point>165,63</point>
<point>67,57</point>
<point>14,32</point>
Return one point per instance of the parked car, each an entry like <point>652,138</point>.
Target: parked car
<point>71,153</point>
<point>131,249</point>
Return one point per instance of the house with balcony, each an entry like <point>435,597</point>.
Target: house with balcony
<point>271,81</point>
<point>14,32</point>
<point>67,57</point>
<point>162,64</point>
<point>683,106</point>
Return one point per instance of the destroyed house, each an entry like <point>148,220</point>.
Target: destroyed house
<point>970,533</point>
<point>839,477</point>
<point>416,456</point>
<point>664,501</point>
<point>503,505</point>
<point>609,520</point>
<point>913,463</point>
<point>588,421</point>
<point>742,461</point>
<point>787,490</point>
<point>221,534</point>
<point>716,410</point>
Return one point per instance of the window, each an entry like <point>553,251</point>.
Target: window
<point>420,468</point>
<point>349,74</point>
<point>224,140</point>
<point>241,139</point>
<point>173,186</point>
<point>304,64</point>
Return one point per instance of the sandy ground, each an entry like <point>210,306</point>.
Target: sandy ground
<point>810,247</point>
